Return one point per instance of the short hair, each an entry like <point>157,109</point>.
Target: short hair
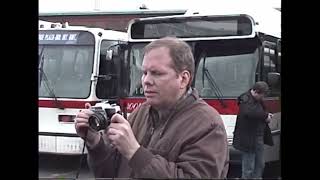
<point>261,87</point>
<point>179,51</point>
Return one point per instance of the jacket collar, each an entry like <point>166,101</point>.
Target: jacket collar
<point>164,115</point>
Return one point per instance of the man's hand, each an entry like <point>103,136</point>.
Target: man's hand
<point>82,127</point>
<point>121,136</point>
<point>270,116</point>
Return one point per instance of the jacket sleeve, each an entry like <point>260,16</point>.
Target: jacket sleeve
<point>206,157</point>
<point>252,110</point>
<point>101,159</point>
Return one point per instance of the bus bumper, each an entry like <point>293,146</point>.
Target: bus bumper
<point>60,144</point>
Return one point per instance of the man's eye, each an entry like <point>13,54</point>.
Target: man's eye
<point>156,73</point>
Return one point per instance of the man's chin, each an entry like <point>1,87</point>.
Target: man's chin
<point>151,102</point>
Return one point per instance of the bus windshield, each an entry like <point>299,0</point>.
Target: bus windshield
<point>232,74</point>
<point>67,69</point>
<point>231,71</point>
<point>226,68</point>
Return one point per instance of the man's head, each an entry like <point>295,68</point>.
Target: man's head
<point>168,68</point>
<point>259,90</point>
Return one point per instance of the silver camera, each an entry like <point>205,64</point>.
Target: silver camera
<point>101,118</point>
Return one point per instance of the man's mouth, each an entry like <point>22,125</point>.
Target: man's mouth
<point>149,93</point>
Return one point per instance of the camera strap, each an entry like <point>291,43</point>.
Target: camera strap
<point>82,155</point>
<point>116,163</point>
<point>116,159</point>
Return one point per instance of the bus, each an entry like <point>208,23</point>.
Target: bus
<point>46,24</point>
<point>74,68</point>
<point>232,51</point>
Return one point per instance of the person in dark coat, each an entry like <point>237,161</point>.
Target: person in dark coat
<point>252,130</point>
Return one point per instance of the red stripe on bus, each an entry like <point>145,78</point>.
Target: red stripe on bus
<point>65,104</point>
<point>132,103</point>
<point>231,107</point>
<point>272,105</point>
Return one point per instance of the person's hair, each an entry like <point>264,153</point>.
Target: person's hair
<point>179,51</point>
<point>261,87</point>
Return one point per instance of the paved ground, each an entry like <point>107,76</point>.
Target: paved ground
<point>65,166</point>
<point>62,166</point>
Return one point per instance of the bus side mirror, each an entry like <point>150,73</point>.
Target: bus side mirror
<point>273,78</point>
<point>112,52</point>
<point>115,51</point>
<point>109,54</point>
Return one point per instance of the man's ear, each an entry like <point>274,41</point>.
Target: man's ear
<point>185,79</point>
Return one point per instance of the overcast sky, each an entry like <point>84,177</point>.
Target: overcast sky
<point>131,5</point>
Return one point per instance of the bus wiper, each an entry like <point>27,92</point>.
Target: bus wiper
<point>42,75</point>
<point>50,90</point>
<point>40,66</point>
<point>212,83</point>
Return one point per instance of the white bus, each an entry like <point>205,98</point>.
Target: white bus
<point>232,51</point>
<point>73,69</point>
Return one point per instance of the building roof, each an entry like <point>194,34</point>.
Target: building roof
<point>95,13</point>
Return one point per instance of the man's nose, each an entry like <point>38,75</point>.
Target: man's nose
<point>147,79</point>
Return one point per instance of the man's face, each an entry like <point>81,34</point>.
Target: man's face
<point>161,83</point>
<point>258,96</point>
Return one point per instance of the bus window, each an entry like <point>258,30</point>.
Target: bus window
<point>136,57</point>
<point>271,64</point>
<point>106,87</point>
<point>81,66</point>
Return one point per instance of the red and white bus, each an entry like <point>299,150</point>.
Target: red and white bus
<point>232,51</point>
<point>73,69</point>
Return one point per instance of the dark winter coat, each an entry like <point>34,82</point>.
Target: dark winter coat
<point>250,123</point>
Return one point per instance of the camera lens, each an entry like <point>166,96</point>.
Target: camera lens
<point>97,121</point>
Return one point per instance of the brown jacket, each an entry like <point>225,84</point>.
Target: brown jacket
<point>190,142</point>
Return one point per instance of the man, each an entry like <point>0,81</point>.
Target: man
<point>251,130</point>
<point>174,134</point>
